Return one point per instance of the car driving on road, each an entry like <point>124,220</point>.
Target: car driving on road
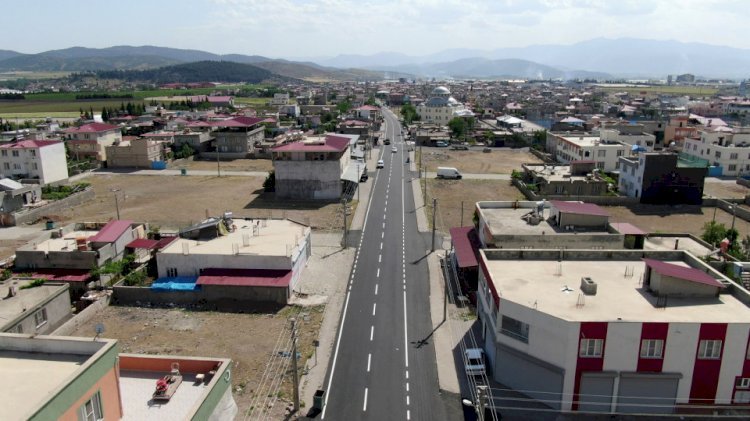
<point>394,149</point>
<point>381,164</point>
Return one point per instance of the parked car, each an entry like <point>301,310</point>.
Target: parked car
<point>460,147</point>
<point>486,150</point>
<point>387,142</point>
<point>474,360</point>
<point>363,177</point>
<point>381,164</point>
<point>448,172</point>
<point>441,144</point>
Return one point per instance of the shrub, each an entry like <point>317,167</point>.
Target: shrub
<point>33,284</point>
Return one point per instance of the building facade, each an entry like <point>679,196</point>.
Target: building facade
<point>584,147</point>
<point>441,107</point>
<point>90,141</point>
<point>39,160</point>
<point>722,147</point>
<point>662,178</point>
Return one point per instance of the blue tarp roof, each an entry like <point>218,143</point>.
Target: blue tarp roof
<point>176,283</point>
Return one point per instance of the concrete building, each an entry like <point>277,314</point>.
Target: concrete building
<point>632,135</point>
<point>569,148</point>
<point>40,161</point>
<point>678,130</point>
<point>662,178</point>
<point>14,197</point>
<point>69,379</point>
<point>38,310</point>
<point>576,179</point>
<point>136,153</point>
<point>280,99</point>
<point>237,137</point>
<point>260,253</point>
<point>199,141</point>
<point>723,147</point>
<point>614,331</point>
<point>69,253</point>
<point>89,141</point>
<point>441,107</point>
<point>314,168</point>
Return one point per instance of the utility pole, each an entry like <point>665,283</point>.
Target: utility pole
<point>481,397</point>
<point>294,364</point>
<point>343,209</point>
<point>424,190</point>
<point>360,175</point>
<point>445,296</point>
<point>462,213</point>
<point>434,208</point>
<point>117,204</point>
<point>218,164</point>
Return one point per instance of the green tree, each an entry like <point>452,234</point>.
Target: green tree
<point>713,232</point>
<point>344,106</point>
<point>458,127</point>
<point>409,113</point>
<point>371,101</point>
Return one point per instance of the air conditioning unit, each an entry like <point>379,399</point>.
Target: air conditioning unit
<point>588,286</point>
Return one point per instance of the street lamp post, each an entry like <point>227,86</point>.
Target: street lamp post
<point>360,175</point>
<point>117,204</point>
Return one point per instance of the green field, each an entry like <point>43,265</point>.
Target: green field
<point>32,75</point>
<point>38,116</point>
<point>684,90</point>
<point>41,107</point>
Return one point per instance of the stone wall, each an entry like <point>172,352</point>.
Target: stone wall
<point>83,317</point>
<point>57,206</point>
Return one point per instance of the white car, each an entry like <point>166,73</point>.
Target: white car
<point>381,164</point>
<point>475,362</point>
<point>394,149</point>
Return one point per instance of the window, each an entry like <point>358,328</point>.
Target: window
<point>6,165</point>
<point>742,397</point>
<point>515,329</point>
<point>16,166</point>
<point>18,328</point>
<point>34,166</point>
<point>591,348</point>
<point>652,348</point>
<point>717,154</point>
<point>40,317</point>
<point>732,167</point>
<point>171,272</point>
<point>733,156</point>
<point>742,383</point>
<point>601,153</point>
<point>92,409</point>
<point>709,350</point>
<point>4,153</point>
<point>600,165</point>
<point>15,153</point>
<point>619,153</point>
<point>32,152</point>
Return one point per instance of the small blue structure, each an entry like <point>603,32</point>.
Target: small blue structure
<point>158,165</point>
<point>176,283</point>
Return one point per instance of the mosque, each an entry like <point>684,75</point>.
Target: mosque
<point>441,107</point>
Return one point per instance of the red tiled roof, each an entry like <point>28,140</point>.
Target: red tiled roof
<point>62,275</point>
<point>92,128</point>
<point>465,243</point>
<point>579,208</point>
<point>683,272</point>
<point>219,98</point>
<point>332,144</point>
<point>165,241</point>
<point>29,144</point>
<point>367,108</point>
<point>627,228</point>
<point>245,277</point>
<point>142,243</point>
<point>111,232</point>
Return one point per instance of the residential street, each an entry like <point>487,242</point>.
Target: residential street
<point>381,368</point>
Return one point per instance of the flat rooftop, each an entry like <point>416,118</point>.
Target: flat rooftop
<point>557,173</point>
<point>33,377</point>
<point>507,221</point>
<point>66,243</point>
<point>541,284</point>
<point>591,141</point>
<point>10,308</point>
<point>137,387</point>
<point>273,239</point>
<point>656,242</point>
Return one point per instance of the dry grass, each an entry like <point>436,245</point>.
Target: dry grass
<point>176,201</point>
<point>451,193</point>
<point>248,339</point>
<point>725,190</point>
<point>674,219</point>
<point>499,161</point>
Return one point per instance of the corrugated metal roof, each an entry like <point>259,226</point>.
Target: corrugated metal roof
<point>465,244</point>
<point>579,208</point>
<point>683,272</point>
<point>111,232</point>
<point>246,277</point>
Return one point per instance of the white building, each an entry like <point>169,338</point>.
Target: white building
<point>280,99</point>
<point>647,141</point>
<point>585,147</point>
<point>91,140</point>
<point>441,107</point>
<point>614,331</point>
<point>266,244</point>
<point>34,159</point>
<point>722,147</point>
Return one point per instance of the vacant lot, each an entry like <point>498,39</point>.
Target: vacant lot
<point>725,190</point>
<point>177,201</point>
<point>233,165</point>
<point>674,219</point>
<point>248,339</point>
<point>499,161</point>
<point>450,194</point>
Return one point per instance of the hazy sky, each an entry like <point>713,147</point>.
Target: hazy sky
<point>317,28</point>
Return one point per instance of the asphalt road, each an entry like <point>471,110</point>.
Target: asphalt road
<point>383,366</point>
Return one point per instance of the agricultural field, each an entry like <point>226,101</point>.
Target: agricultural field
<point>674,90</point>
<point>474,161</point>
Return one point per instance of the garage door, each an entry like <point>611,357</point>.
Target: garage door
<point>595,393</point>
<point>647,393</point>
<point>530,376</point>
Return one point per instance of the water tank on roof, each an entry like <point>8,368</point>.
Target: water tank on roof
<point>588,286</point>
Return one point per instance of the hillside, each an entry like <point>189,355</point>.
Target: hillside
<point>201,71</point>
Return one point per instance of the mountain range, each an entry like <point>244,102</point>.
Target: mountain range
<point>597,58</point>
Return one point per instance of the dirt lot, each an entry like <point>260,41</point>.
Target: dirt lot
<point>248,339</point>
<point>725,190</point>
<point>233,165</point>
<point>499,161</point>
<point>450,194</point>
<point>177,201</point>
<point>673,219</point>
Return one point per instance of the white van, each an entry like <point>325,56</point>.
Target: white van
<point>448,172</point>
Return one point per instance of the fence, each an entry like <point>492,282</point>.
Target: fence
<point>83,317</point>
<point>599,200</point>
<point>31,215</point>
